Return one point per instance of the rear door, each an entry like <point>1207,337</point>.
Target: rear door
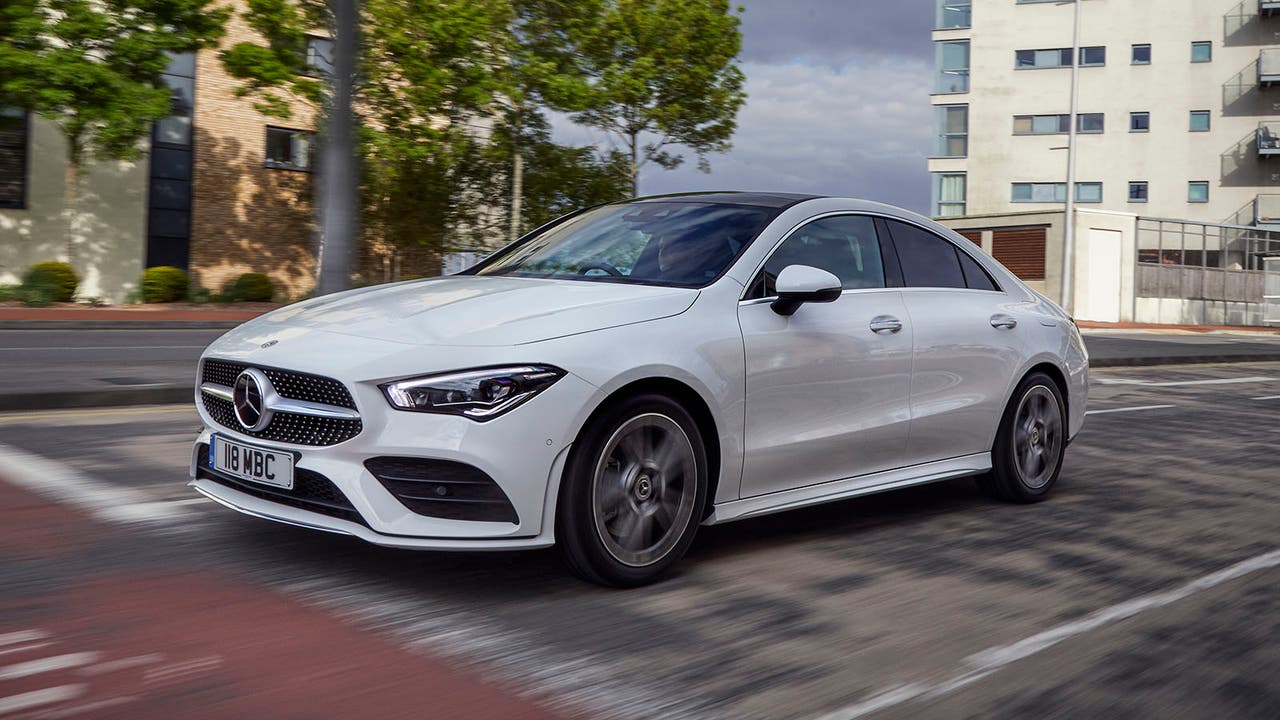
<point>968,343</point>
<point>827,394</point>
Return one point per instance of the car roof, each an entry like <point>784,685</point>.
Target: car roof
<point>758,199</point>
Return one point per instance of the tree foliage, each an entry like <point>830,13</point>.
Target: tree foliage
<point>657,74</point>
<point>94,67</point>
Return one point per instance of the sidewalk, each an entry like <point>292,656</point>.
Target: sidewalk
<point>68,316</point>
<point>109,624</point>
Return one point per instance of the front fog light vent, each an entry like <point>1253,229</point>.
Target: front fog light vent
<point>443,489</point>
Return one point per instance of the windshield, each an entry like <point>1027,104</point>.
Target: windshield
<point>658,243</point>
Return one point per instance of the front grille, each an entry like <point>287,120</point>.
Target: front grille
<point>311,490</point>
<point>443,489</point>
<point>284,427</point>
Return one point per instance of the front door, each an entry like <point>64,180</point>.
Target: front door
<point>827,395</point>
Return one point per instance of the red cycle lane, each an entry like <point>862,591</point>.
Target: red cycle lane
<point>168,642</point>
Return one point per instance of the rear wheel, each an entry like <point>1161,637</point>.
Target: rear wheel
<point>1030,444</point>
<point>633,492</point>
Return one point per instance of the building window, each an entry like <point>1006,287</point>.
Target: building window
<point>1198,191</point>
<point>1093,56</point>
<point>319,59</point>
<point>1041,124</point>
<point>1088,192</point>
<point>1028,59</point>
<point>14,125</point>
<point>1090,123</point>
<point>1138,191</point>
<point>952,63</point>
<point>954,14</point>
<point>949,194</point>
<point>1139,121</point>
<point>1200,121</point>
<point>1039,192</point>
<point>288,149</point>
<point>1141,55</point>
<point>1201,52</point>
<point>951,124</point>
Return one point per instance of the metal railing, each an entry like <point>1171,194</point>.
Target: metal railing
<point>1219,273</point>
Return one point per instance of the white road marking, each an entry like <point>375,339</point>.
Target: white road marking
<point>102,500</point>
<point>121,664</point>
<point>174,671</point>
<point>1268,397</point>
<point>991,660</point>
<point>111,347</point>
<point>1182,383</point>
<point>1128,409</point>
<point>22,636</point>
<point>48,664</point>
<point>36,698</point>
<point>54,713</point>
<point>25,648</point>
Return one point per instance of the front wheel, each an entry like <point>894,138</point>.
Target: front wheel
<point>1030,444</point>
<point>633,492</point>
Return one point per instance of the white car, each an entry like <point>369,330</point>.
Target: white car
<point>627,373</point>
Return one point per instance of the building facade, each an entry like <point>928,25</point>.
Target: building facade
<point>219,190</point>
<point>1177,116</point>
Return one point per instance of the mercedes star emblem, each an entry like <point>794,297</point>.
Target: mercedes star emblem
<point>249,397</point>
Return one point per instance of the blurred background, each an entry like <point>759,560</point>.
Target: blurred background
<point>170,170</point>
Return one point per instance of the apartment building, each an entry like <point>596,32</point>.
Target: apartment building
<point>220,189</point>
<point>1178,116</point>
<point>1178,109</point>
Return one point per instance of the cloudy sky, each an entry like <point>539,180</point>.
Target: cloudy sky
<point>837,103</point>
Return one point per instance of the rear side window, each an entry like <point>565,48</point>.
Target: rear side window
<point>927,260</point>
<point>844,245</point>
<point>974,276</point>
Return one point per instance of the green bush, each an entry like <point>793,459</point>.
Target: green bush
<point>10,292</point>
<point>249,287</point>
<point>163,284</point>
<point>48,282</point>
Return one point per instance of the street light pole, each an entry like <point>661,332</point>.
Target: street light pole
<point>1069,221</point>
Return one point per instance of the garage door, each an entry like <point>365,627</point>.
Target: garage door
<point>1022,251</point>
<point>973,236</point>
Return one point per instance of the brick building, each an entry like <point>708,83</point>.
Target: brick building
<point>221,190</point>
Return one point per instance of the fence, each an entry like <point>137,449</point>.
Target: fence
<point>1204,273</point>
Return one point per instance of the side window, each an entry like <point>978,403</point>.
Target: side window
<point>844,245</point>
<point>974,276</point>
<point>927,260</point>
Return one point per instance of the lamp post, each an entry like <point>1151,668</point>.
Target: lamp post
<point>1069,220</point>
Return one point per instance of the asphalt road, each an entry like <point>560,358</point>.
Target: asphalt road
<point>1145,588</point>
<point>98,368</point>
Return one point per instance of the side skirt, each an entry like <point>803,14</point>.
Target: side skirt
<point>849,488</point>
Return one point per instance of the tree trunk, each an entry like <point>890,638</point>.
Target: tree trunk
<point>517,187</point>
<point>70,199</point>
<point>339,176</point>
<point>635,165</point>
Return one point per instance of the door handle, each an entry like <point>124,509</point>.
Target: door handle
<point>882,324</point>
<point>1003,322</point>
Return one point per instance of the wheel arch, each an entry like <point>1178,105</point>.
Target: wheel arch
<point>691,400</point>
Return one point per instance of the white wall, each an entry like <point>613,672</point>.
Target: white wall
<point>108,239</point>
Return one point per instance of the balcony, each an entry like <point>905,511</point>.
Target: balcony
<point>1266,212</point>
<point>1268,139</point>
<point>1269,67</point>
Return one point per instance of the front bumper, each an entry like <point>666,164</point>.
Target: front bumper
<point>523,452</point>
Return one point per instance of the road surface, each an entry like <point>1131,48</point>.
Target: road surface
<point>1145,588</point>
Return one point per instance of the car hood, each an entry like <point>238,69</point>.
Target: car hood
<point>481,311</point>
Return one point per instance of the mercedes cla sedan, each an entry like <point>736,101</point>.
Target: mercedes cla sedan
<point>625,374</point>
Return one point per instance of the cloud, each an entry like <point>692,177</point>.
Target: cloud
<point>837,104</point>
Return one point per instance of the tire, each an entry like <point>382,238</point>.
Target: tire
<point>1031,443</point>
<point>633,492</point>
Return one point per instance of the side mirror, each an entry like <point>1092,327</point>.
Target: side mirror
<point>799,284</point>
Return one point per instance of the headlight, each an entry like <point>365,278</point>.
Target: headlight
<point>477,394</point>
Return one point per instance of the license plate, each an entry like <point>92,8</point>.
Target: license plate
<point>254,464</point>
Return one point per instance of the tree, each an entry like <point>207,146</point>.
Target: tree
<point>428,75</point>
<point>93,68</point>
<point>658,74</point>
